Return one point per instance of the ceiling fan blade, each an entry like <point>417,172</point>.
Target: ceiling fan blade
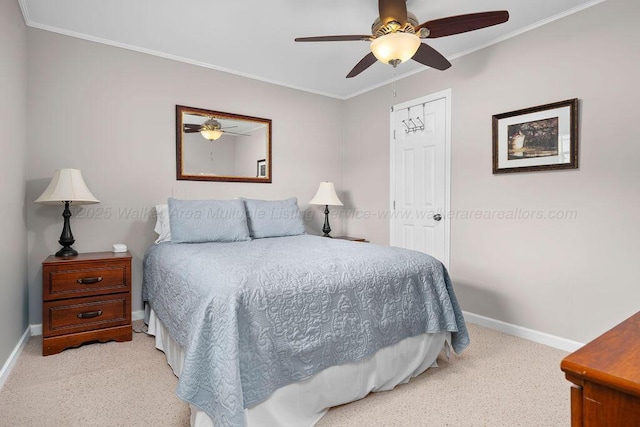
<point>364,63</point>
<point>392,10</point>
<point>430,57</point>
<point>189,129</point>
<point>463,23</point>
<point>234,133</point>
<point>334,38</point>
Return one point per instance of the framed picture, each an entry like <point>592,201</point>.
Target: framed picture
<point>537,138</point>
<point>262,168</point>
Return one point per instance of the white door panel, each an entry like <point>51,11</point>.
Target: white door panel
<point>419,177</point>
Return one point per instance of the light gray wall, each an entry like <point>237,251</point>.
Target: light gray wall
<point>208,157</point>
<point>111,113</point>
<point>13,140</point>
<point>250,149</point>
<point>571,278</point>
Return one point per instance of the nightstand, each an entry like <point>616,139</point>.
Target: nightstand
<point>85,298</point>
<point>353,239</point>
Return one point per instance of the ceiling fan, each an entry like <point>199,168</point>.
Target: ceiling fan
<point>211,129</point>
<point>396,35</point>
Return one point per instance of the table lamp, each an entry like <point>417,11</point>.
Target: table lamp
<point>67,186</point>
<point>326,195</point>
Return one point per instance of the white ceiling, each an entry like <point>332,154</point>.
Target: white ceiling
<point>254,38</point>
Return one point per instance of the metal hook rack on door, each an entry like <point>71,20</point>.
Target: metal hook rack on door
<point>411,126</point>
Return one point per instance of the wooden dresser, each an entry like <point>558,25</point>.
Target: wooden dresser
<point>606,378</point>
<point>85,298</point>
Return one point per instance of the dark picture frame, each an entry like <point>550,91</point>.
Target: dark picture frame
<point>262,168</point>
<point>537,138</point>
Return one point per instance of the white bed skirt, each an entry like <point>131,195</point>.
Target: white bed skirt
<point>304,403</point>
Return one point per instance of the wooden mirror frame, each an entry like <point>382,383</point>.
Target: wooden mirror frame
<point>183,175</point>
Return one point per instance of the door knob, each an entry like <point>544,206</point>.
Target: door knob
<point>437,217</point>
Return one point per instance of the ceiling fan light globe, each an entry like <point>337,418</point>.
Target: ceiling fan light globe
<point>395,47</point>
<point>211,134</point>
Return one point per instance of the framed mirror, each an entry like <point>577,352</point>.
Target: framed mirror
<point>216,146</point>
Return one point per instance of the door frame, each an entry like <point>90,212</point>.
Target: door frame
<point>446,95</point>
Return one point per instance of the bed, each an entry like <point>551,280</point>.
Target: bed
<point>274,330</point>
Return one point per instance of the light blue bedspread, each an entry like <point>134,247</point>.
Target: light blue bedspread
<point>255,316</point>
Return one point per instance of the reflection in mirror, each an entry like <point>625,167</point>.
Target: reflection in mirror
<point>216,146</point>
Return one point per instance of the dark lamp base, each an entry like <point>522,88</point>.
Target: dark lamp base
<point>66,238</point>
<point>67,251</point>
<point>326,229</point>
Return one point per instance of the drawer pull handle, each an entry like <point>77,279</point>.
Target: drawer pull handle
<point>90,280</point>
<point>89,314</point>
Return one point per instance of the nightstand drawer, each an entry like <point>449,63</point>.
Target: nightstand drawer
<point>83,314</point>
<point>64,283</point>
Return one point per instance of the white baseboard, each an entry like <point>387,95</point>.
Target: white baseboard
<point>37,328</point>
<point>13,358</point>
<point>522,332</point>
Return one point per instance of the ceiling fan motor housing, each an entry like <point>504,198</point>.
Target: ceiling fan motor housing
<point>378,29</point>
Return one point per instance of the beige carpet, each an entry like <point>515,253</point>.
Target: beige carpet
<point>499,380</point>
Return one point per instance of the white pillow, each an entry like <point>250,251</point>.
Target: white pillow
<point>162,227</point>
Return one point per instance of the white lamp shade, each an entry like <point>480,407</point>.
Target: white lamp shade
<point>395,46</point>
<point>326,195</point>
<point>67,185</point>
